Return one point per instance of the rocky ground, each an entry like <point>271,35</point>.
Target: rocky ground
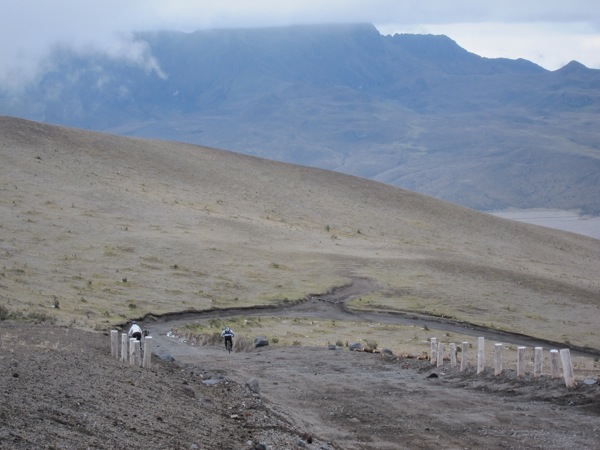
<point>62,389</point>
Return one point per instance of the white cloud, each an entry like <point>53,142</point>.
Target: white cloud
<point>546,31</point>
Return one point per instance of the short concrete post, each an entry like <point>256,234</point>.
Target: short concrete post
<point>147,352</point>
<point>538,358</point>
<point>463,356</point>
<point>521,363</point>
<point>137,353</point>
<point>433,351</point>
<point>565,356</point>
<point>480,354</point>
<point>440,355</point>
<point>124,348</point>
<point>132,346</point>
<point>453,355</point>
<point>497,359</point>
<point>114,343</point>
<point>554,364</point>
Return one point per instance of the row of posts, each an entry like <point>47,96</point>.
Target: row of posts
<point>134,352</point>
<point>437,357</point>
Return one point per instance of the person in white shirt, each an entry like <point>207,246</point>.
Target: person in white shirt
<point>135,331</point>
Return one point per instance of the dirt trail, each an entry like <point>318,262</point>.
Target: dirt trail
<point>332,306</point>
<point>364,401</point>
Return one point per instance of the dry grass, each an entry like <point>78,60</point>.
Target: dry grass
<point>115,228</point>
<point>406,340</point>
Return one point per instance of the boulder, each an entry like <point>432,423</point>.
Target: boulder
<point>261,341</point>
<point>355,347</point>
<point>253,385</point>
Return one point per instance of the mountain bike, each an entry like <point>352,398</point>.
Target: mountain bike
<point>229,344</point>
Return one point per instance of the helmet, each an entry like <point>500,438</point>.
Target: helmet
<point>227,329</point>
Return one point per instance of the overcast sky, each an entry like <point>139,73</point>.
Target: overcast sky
<point>548,32</point>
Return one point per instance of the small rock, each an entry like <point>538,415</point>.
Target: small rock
<point>194,447</point>
<point>260,446</point>
<point>253,385</point>
<point>355,347</point>
<point>261,341</point>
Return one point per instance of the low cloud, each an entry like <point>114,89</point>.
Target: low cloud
<point>29,29</point>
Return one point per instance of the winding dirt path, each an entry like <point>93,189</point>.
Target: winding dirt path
<point>356,400</point>
<point>332,306</point>
<point>363,401</point>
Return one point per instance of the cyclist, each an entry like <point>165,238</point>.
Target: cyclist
<point>135,331</point>
<point>228,334</point>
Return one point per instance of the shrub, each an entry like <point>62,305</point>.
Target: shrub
<point>372,344</point>
<point>4,313</point>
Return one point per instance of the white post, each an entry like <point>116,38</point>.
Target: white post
<point>498,359</point>
<point>433,351</point>
<point>147,352</point>
<point>554,364</point>
<point>124,348</point>
<point>521,363</point>
<point>565,356</point>
<point>463,356</point>
<point>137,353</point>
<point>132,346</point>
<point>538,358</point>
<point>114,343</point>
<point>480,354</point>
<point>440,355</point>
<point>453,355</point>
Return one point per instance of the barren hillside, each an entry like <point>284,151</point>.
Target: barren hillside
<point>109,228</point>
<point>96,230</point>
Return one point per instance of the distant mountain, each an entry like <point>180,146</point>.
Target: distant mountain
<point>414,111</point>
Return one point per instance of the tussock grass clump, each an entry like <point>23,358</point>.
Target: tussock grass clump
<point>31,316</point>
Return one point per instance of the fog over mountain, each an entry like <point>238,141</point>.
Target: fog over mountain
<point>414,111</point>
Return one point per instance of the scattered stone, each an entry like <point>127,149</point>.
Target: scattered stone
<point>307,437</point>
<point>212,381</point>
<point>589,381</point>
<point>355,347</point>
<point>432,375</point>
<point>332,347</point>
<point>253,385</point>
<point>260,446</point>
<point>189,391</point>
<point>194,447</point>
<point>166,357</point>
<point>261,341</point>
<point>387,352</point>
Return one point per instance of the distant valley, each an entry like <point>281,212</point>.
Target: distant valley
<point>414,111</point>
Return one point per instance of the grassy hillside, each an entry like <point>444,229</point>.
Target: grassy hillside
<point>415,111</point>
<point>95,229</point>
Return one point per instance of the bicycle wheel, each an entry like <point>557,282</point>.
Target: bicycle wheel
<point>229,346</point>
